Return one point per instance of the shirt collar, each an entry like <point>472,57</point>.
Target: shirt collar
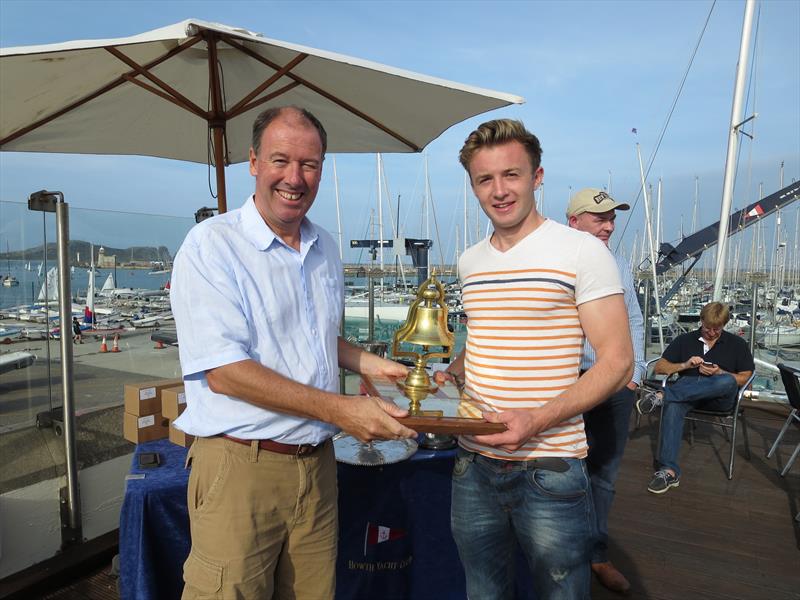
<point>262,237</point>
<point>703,341</point>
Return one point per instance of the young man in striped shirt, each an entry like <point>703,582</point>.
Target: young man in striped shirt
<point>532,291</point>
<point>594,211</point>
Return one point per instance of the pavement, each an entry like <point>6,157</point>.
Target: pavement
<point>32,454</point>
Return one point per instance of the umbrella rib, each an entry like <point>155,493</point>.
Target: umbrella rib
<point>242,106</point>
<point>163,85</point>
<point>153,90</point>
<point>106,88</point>
<point>323,93</point>
<point>267,98</point>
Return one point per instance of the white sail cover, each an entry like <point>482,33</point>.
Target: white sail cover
<point>90,290</point>
<point>109,283</point>
<point>49,291</point>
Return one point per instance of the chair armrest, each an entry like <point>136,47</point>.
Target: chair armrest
<point>651,379</point>
<point>747,384</point>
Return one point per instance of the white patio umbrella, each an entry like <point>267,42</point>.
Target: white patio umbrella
<point>190,91</point>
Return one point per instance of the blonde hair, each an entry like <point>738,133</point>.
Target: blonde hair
<point>715,314</point>
<point>500,131</point>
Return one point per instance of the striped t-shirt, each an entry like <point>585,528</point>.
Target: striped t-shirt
<point>524,338</point>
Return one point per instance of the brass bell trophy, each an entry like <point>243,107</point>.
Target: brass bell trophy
<point>426,326</point>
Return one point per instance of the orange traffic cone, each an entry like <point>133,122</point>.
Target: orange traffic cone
<point>115,347</point>
<point>103,345</point>
<point>159,345</point>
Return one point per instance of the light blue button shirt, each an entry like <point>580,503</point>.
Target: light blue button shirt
<point>239,292</point>
<point>635,321</point>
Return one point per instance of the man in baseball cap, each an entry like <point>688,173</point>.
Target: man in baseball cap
<point>593,211</point>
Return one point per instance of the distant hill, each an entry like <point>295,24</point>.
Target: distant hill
<point>79,253</point>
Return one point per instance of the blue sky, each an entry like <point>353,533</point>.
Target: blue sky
<point>589,71</point>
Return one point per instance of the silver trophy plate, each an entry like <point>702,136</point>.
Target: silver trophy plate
<point>384,452</point>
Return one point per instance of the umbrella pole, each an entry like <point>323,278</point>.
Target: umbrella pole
<point>219,163</point>
<point>217,119</point>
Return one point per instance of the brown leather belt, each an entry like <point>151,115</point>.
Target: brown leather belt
<point>273,446</point>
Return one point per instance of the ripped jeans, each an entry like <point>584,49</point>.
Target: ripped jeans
<point>550,514</point>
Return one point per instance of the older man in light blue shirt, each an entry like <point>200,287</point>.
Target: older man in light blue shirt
<point>257,295</point>
<point>594,211</point>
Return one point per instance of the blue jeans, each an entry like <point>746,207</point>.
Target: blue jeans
<point>549,514</point>
<point>715,392</point>
<point>607,433</point>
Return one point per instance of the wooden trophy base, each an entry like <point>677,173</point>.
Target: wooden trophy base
<point>432,421</point>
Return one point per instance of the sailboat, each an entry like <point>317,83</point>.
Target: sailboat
<point>160,266</point>
<point>9,280</point>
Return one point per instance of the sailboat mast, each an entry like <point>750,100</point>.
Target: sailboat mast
<point>458,275</point>
<point>541,198</point>
<point>380,219</point>
<point>427,199</point>
<point>652,251</point>
<point>793,263</point>
<point>466,231</point>
<point>733,141</point>
<point>338,210</point>
<point>776,237</point>
<point>659,226</point>
<point>477,215</point>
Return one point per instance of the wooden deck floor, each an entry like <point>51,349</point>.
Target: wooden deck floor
<point>708,539</point>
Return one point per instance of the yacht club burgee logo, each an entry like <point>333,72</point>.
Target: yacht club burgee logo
<point>377,534</point>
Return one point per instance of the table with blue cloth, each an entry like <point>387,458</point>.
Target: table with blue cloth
<point>394,529</point>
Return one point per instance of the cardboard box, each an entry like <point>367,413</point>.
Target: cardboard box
<point>173,402</point>
<point>138,429</point>
<point>145,398</point>
<point>176,436</point>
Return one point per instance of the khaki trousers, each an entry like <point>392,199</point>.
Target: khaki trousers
<point>263,525</point>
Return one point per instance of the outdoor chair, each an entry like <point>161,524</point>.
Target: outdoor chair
<point>789,375</point>
<point>651,384</point>
<point>726,419</point>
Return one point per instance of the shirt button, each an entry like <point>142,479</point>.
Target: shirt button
<point>313,332</point>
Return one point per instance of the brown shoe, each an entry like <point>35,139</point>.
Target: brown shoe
<point>608,575</point>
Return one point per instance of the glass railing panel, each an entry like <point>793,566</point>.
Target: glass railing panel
<point>132,257</point>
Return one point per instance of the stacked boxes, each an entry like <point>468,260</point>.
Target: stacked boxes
<point>176,436</point>
<point>173,403</point>
<point>143,420</point>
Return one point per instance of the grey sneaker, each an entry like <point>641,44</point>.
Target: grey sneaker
<point>662,481</point>
<point>648,401</point>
